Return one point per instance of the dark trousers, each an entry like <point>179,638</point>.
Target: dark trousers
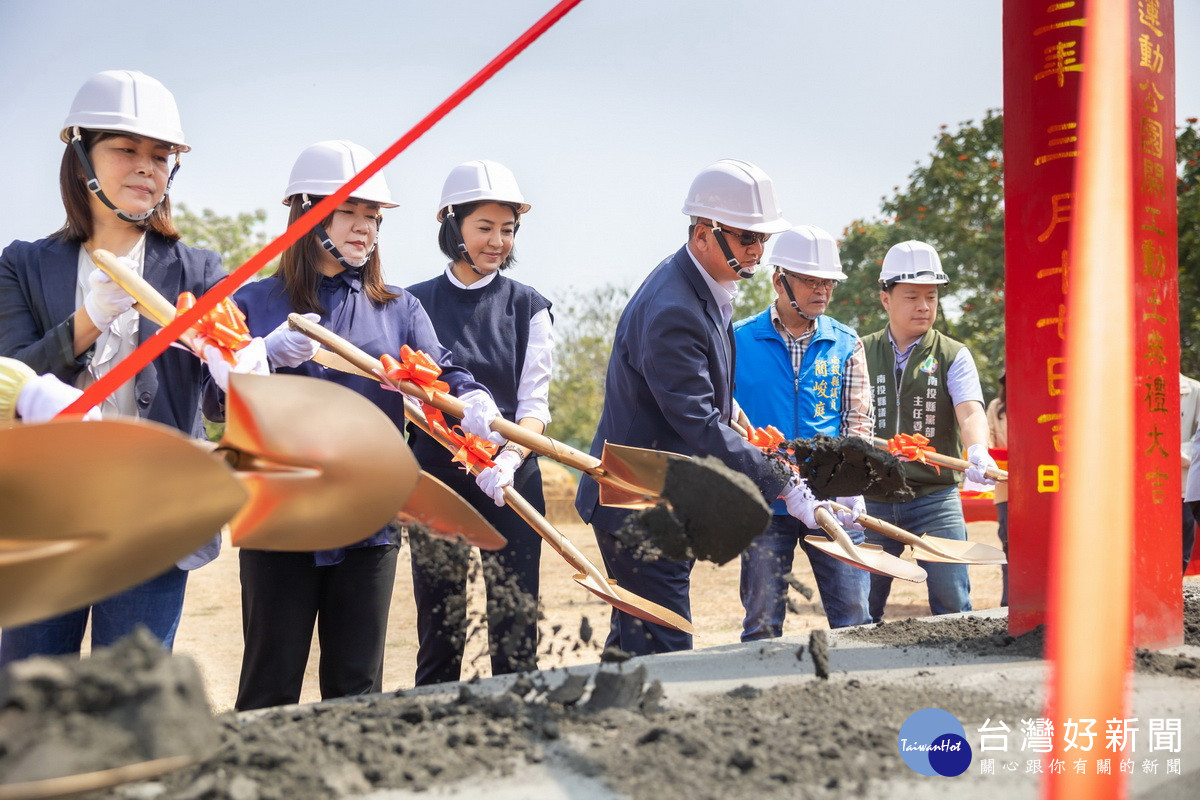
<point>284,594</point>
<point>662,581</point>
<point>1189,530</point>
<point>510,575</point>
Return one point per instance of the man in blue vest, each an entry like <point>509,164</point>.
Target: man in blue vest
<point>925,383</point>
<point>669,384</point>
<point>805,373</point>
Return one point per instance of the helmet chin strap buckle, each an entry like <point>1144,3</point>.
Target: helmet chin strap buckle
<point>730,261</point>
<point>459,243</point>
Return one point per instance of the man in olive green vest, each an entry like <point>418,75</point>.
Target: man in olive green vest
<point>924,382</point>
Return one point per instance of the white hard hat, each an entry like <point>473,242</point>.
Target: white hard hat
<point>807,250</point>
<point>736,193</point>
<point>479,181</point>
<point>912,262</point>
<point>323,168</point>
<point>127,102</point>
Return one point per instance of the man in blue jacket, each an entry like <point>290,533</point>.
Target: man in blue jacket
<point>805,373</point>
<point>670,380</point>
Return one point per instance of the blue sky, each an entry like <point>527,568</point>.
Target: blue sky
<point>604,120</point>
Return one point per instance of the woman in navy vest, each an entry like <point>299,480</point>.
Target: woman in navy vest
<point>500,330</point>
<point>333,275</point>
<point>62,316</point>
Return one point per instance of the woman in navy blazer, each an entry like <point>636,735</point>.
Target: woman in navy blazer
<point>60,315</point>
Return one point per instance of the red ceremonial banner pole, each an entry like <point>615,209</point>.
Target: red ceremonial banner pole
<point>1044,64</point>
<point>1088,625</point>
<point>160,341</point>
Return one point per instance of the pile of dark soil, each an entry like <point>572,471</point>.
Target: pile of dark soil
<point>848,465</point>
<point>818,739</point>
<point>126,704</point>
<point>712,514</point>
<point>990,637</point>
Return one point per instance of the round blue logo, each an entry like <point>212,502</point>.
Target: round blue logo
<point>933,742</point>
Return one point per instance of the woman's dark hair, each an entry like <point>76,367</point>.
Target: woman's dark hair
<point>1002,409</point>
<point>298,266</point>
<point>448,242</point>
<point>75,196</point>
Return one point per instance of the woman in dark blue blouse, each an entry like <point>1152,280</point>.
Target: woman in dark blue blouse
<point>500,330</point>
<point>333,274</point>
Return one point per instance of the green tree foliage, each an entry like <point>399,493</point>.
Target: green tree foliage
<point>236,238</point>
<point>584,324</point>
<point>1187,154</point>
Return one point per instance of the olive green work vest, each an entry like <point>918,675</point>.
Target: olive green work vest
<point>924,405</point>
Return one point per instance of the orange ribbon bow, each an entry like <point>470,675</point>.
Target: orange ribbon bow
<point>768,438</point>
<point>415,366</point>
<point>472,450</point>
<point>911,447</point>
<point>224,327</point>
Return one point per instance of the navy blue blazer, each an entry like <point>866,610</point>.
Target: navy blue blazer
<point>670,383</point>
<point>37,297</point>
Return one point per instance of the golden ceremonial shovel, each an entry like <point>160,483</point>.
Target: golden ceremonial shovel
<point>935,548</point>
<point>321,460</point>
<point>629,477</point>
<point>961,465</point>
<point>870,557</point>
<point>92,508</point>
<point>347,357</point>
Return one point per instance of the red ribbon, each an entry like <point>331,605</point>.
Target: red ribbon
<point>472,450</point>
<point>224,327</point>
<point>768,438</point>
<point>912,447</point>
<point>415,366</point>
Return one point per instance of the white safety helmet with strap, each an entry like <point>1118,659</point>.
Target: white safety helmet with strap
<point>323,168</point>
<point>740,195</point>
<point>123,101</point>
<point>912,262</point>
<point>809,251</point>
<point>477,182</point>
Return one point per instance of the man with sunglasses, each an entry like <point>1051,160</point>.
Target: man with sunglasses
<point>924,383</point>
<point>804,373</point>
<point>669,384</point>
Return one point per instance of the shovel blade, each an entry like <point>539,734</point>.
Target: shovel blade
<point>630,603</point>
<point>872,558</point>
<point>142,498</point>
<point>324,466</point>
<point>442,512</point>
<point>957,551</point>
<point>636,475</point>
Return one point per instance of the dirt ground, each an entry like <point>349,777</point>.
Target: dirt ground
<point>211,628</point>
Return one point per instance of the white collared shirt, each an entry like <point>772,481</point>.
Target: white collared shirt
<point>533,390</point>
<point>724,292</point>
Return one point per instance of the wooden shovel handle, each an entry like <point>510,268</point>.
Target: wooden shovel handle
<point>995,473</point>
<point>523,507</point>
<point>150,303</point>
<point>538,443</point>
<point>886,528</point>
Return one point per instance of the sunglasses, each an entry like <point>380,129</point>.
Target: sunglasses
<point>744,238</point>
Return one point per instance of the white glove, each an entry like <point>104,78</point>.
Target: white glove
<point>493,479</point>
<point>106,300</point>
<point>849,519</point>
<point>802,504</point>
<point>289,348</point>
<point>250,360</point>
<point>43,396</point>
<point>980,460</point>
<point>478,415</point>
